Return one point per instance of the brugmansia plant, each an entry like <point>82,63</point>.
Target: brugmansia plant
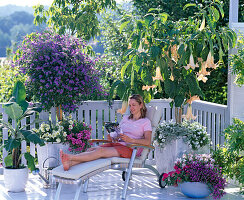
<point>17,109</point>
<point>173,56</point>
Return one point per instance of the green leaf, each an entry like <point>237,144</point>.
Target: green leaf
<point>30,161</point>
<point>193,85</point>
<point>215,13</point>
<point>19,95</point>
<point>11,144</point>
<point>147,97</point>
<point>19,91</point>
<point>170,88</point>
<point>137,62</point>
<point>189,5</point>
<point>14,111</point>
<point>121,89</point>
<point>148,19</point>
<point>114,85</point>
<point>163,17</point>
<point>124,69</point>
<point>8,160</point>
<point>179,99</point>
<point>136,42</point>
<point>146,76</point>
<point>155,51</point>
<point>123,26</point>
<point>221,10</point>
<point>7,125</point>
<point>31,137</point>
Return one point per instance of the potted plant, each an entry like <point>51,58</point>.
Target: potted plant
<point>60,73</point>
<point>55,138</point>
<point>78,135</point>
<point>173,139</point>
<point>15,173</point>
<point>68,135</point>
<point>197,176</point>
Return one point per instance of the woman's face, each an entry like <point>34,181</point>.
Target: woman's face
<point>135,107</point>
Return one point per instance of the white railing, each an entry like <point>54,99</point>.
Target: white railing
<point>211,115</point>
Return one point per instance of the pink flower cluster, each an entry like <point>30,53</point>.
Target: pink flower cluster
<point>79,140</point>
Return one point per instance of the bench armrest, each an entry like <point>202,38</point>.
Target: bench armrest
<point>98,141</point>
<point>141,145</point>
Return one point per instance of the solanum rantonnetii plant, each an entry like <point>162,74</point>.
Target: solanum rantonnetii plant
<point>173,56</point>
<point>59,73</point>
<point>17,109</point>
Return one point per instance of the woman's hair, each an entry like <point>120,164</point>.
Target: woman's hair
<point>139,100</point>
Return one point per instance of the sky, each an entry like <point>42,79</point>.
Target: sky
<point>29,2</point>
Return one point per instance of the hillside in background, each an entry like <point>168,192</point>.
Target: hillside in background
<point>10,9</point>
<point>15,23</point>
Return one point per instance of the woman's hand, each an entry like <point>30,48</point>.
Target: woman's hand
<point>109,138</point>
<point>126,138</point>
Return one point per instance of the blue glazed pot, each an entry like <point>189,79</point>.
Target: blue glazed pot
<point>195,189</point>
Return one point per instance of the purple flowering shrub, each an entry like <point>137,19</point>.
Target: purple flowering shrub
<point>197,168</point>
<point>77,134</point>
<point>59,71</point>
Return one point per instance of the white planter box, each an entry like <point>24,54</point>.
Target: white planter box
<point>48,155</point>
<point>166,157</point>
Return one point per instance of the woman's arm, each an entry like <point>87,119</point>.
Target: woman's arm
<point>145,141</point>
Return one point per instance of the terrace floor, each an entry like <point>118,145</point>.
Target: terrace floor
<point>108,186</point>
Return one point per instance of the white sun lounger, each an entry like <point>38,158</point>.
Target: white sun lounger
<point>80,174</point>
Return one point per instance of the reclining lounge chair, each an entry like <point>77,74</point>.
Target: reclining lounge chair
<point>80,174</point>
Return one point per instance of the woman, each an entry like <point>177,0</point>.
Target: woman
<point>136,129</point>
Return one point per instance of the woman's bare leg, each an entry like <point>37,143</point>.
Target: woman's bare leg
<point>69,160</point>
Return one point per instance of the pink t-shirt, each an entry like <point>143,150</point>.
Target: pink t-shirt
<point>135,129</point>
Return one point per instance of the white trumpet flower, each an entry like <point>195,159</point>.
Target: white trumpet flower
<point>158,75</point>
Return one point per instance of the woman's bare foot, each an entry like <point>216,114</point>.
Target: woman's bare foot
<point>65,160</point>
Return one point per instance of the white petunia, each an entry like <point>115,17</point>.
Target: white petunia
<point>58,140</point>
<point>70,127</point>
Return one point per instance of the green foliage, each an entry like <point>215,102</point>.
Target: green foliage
<point>8,76</point>
<point>75,17</point>
<point>230,156</point>
<point>16,109</point>
<point>235,135</point>
<point>237,62</point>
<point>177,49</point>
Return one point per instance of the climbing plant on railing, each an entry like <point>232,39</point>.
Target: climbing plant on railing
<point>173,56</point>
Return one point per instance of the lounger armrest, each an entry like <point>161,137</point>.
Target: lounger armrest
<point>141,145</point>
<point>98,141</point>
